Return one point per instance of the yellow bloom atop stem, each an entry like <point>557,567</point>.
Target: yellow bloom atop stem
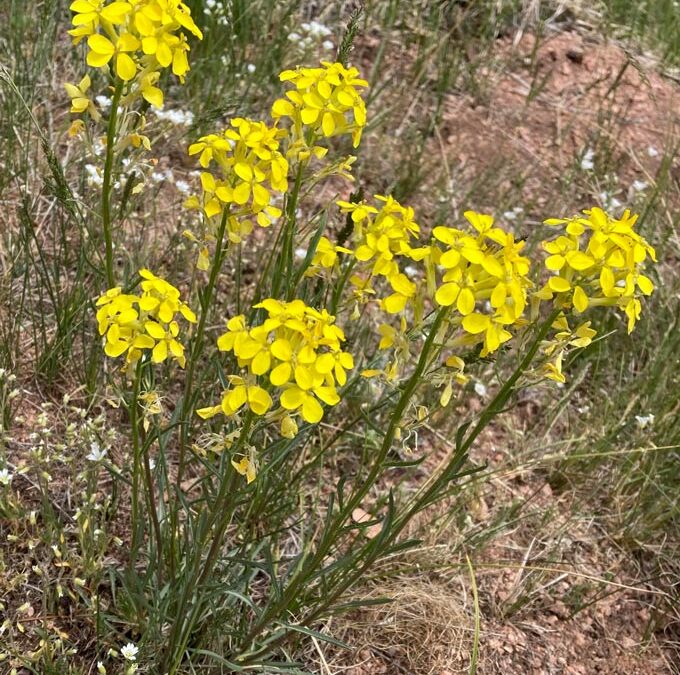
<point>252,173</point>
<point>325,102</point>
<point>297,350</point>
<point>135,324</point>
<point>484,270</point>
<point>599,261</point>
<point>138,37</point>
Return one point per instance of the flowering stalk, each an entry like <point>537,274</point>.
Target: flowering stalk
<point>197,345</point>
<point>340,519</point>
<point>136,466</point>
<point>107,182</point>
<point>218,520</point>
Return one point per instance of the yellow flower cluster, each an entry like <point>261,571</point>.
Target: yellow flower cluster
<point>381,236</point>
<point>137,324</point>
<point>482,265</point>
<point>80,101</point>
<point>252,169</point>
<point>598,261</point>
<point>252,156</point>
<point>325,101</point>
<point>557,347</point>
<point>325,256</point>
<point>140,37</point>
<point>298,349</point>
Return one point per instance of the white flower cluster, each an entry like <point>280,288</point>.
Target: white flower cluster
<point>179,118</point>
<point>93,176</point>
<point>310,34</point>
<point>216,9</point>
<point>609,201</point>
<point>588,160</point>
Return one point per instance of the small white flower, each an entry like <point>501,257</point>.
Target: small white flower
<point>316,29</point>
<point>251,67</point>
<point>5,477</point>
<point>609,201</point>
<point>157,177</point>
<point>410,271</point>
<point>644,421</point>
<point>328,45</point>
<point>480,389</point>
<point>129,652</point>
<point>177,117</point>
<point>587,163</point>
<point>104,102</point>
<point>93,177</point>
<point>510,215</point>
<point>97,453</point>
<point>301,253</point>
<point>640,185</point>
<point>182,186</point>
<point>294,37</point>
<point>652,151</point>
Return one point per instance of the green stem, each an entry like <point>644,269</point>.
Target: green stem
<point>136,470</point>
<point>153,514</point>
<point>325,546</point>
<point>286,267</point>
<point>106,183</point>
<point>220,516</point>
<point>197,346</point>
<point>495,406</point>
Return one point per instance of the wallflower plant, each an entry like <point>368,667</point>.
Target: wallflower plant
<point>241,513</point>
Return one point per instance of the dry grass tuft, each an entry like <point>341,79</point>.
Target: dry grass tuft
<point>426,627</point>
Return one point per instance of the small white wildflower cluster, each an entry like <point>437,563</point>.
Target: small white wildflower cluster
<point>180,118</point>
<point>94,177</point>
<point>216,9</point>
<point>104,102</point>
<point>311,34</point>
<point>588,160</point>
<point>513,213</point>
<point>95,174</point>
<point>168,176</point>
<point>609,201</point>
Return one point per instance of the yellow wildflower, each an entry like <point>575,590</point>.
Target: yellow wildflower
<point>298,349</point>
<point>80,102</point>
<point>145,323</point>
<point>325,100</point>
<point>598,261</point>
